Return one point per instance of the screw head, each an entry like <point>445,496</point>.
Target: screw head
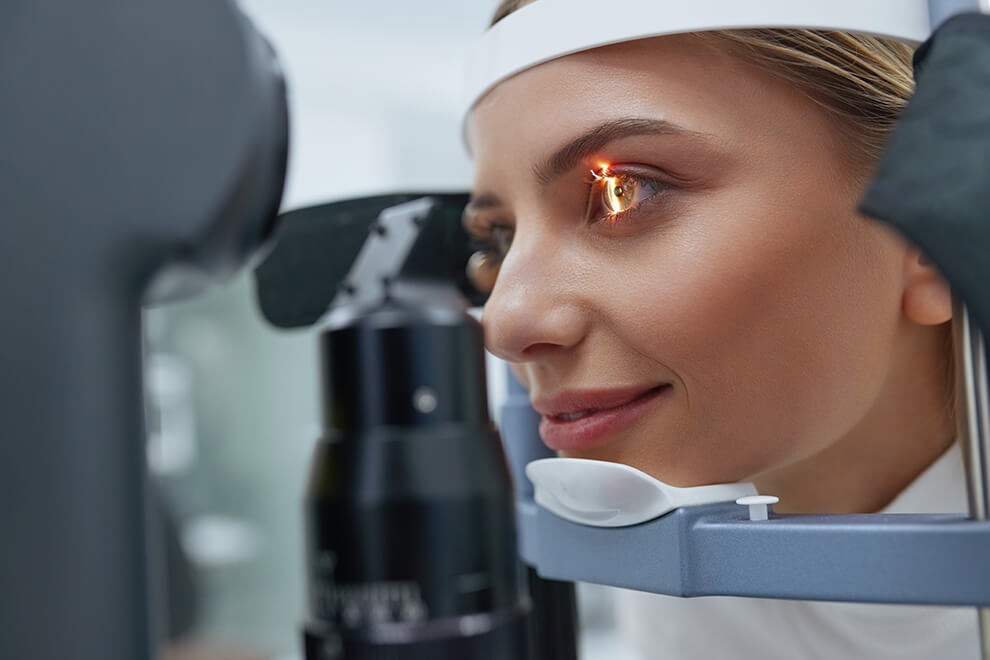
<point>758,499</point>
<point>425,400</point>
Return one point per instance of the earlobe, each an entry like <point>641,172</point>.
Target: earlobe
<point>927,297</point>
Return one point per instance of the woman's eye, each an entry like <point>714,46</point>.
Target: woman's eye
<point>614,195</point>
<point>492,243</point>
<point>500,237</point>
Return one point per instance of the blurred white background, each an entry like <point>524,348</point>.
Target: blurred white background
<point>373,91</point>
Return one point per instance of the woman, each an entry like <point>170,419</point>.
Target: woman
<point>679,276</point>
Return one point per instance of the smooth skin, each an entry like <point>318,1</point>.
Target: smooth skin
<point>805,347</point>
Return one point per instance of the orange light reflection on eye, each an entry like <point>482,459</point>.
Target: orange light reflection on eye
<point>602,176</point>
<point>615,191</point>
<point>601,172</point>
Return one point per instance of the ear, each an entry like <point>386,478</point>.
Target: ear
<point>927,297</point>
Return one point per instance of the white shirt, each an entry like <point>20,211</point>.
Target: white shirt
<point>712,628</point>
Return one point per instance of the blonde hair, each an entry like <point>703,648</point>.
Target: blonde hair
<point>863,82</point>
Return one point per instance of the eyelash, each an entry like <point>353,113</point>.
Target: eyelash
<point>493,239</point>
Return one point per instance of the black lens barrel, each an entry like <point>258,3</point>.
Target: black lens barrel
<point>410,515</point>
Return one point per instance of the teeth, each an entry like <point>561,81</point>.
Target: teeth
<point>570,417</point>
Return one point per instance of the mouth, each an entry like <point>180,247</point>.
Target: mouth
<point>580,420</point>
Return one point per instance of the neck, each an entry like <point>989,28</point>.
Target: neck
<point>909,426</point>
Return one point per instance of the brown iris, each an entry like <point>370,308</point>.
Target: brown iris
<point>618,192</point>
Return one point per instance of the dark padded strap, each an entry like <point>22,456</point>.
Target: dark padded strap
<point>933,183</point>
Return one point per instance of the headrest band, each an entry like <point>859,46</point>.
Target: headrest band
<point>548,29</point>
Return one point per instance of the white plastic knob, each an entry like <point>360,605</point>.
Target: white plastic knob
<point>758,505</point>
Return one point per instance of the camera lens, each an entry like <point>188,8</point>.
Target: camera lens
<point>410,516</point>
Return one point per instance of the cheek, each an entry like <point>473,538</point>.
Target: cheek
<point>519,371</point>
<point>778,326</point>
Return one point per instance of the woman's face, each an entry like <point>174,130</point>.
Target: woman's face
<point>689,289</point>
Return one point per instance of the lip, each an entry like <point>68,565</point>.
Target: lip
<point>614,411</point>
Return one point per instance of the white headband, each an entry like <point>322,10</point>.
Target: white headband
<point>548,29</point>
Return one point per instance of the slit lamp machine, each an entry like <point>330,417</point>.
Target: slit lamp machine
<point>144,152</point>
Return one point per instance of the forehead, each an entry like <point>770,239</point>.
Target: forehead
<point>681,79</point>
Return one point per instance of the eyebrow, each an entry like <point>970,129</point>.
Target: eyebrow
<point>572,153</point>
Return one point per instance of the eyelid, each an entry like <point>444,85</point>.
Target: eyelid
<point>480,224</point>
<point>469,219</point>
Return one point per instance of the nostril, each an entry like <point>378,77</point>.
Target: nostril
<point>535,351</point>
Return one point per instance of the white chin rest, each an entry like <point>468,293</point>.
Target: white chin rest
<point>604,494</point>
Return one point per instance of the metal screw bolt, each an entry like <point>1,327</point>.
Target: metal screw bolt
<point>425,400</point>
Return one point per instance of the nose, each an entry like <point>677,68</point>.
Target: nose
<point>534,310</point>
